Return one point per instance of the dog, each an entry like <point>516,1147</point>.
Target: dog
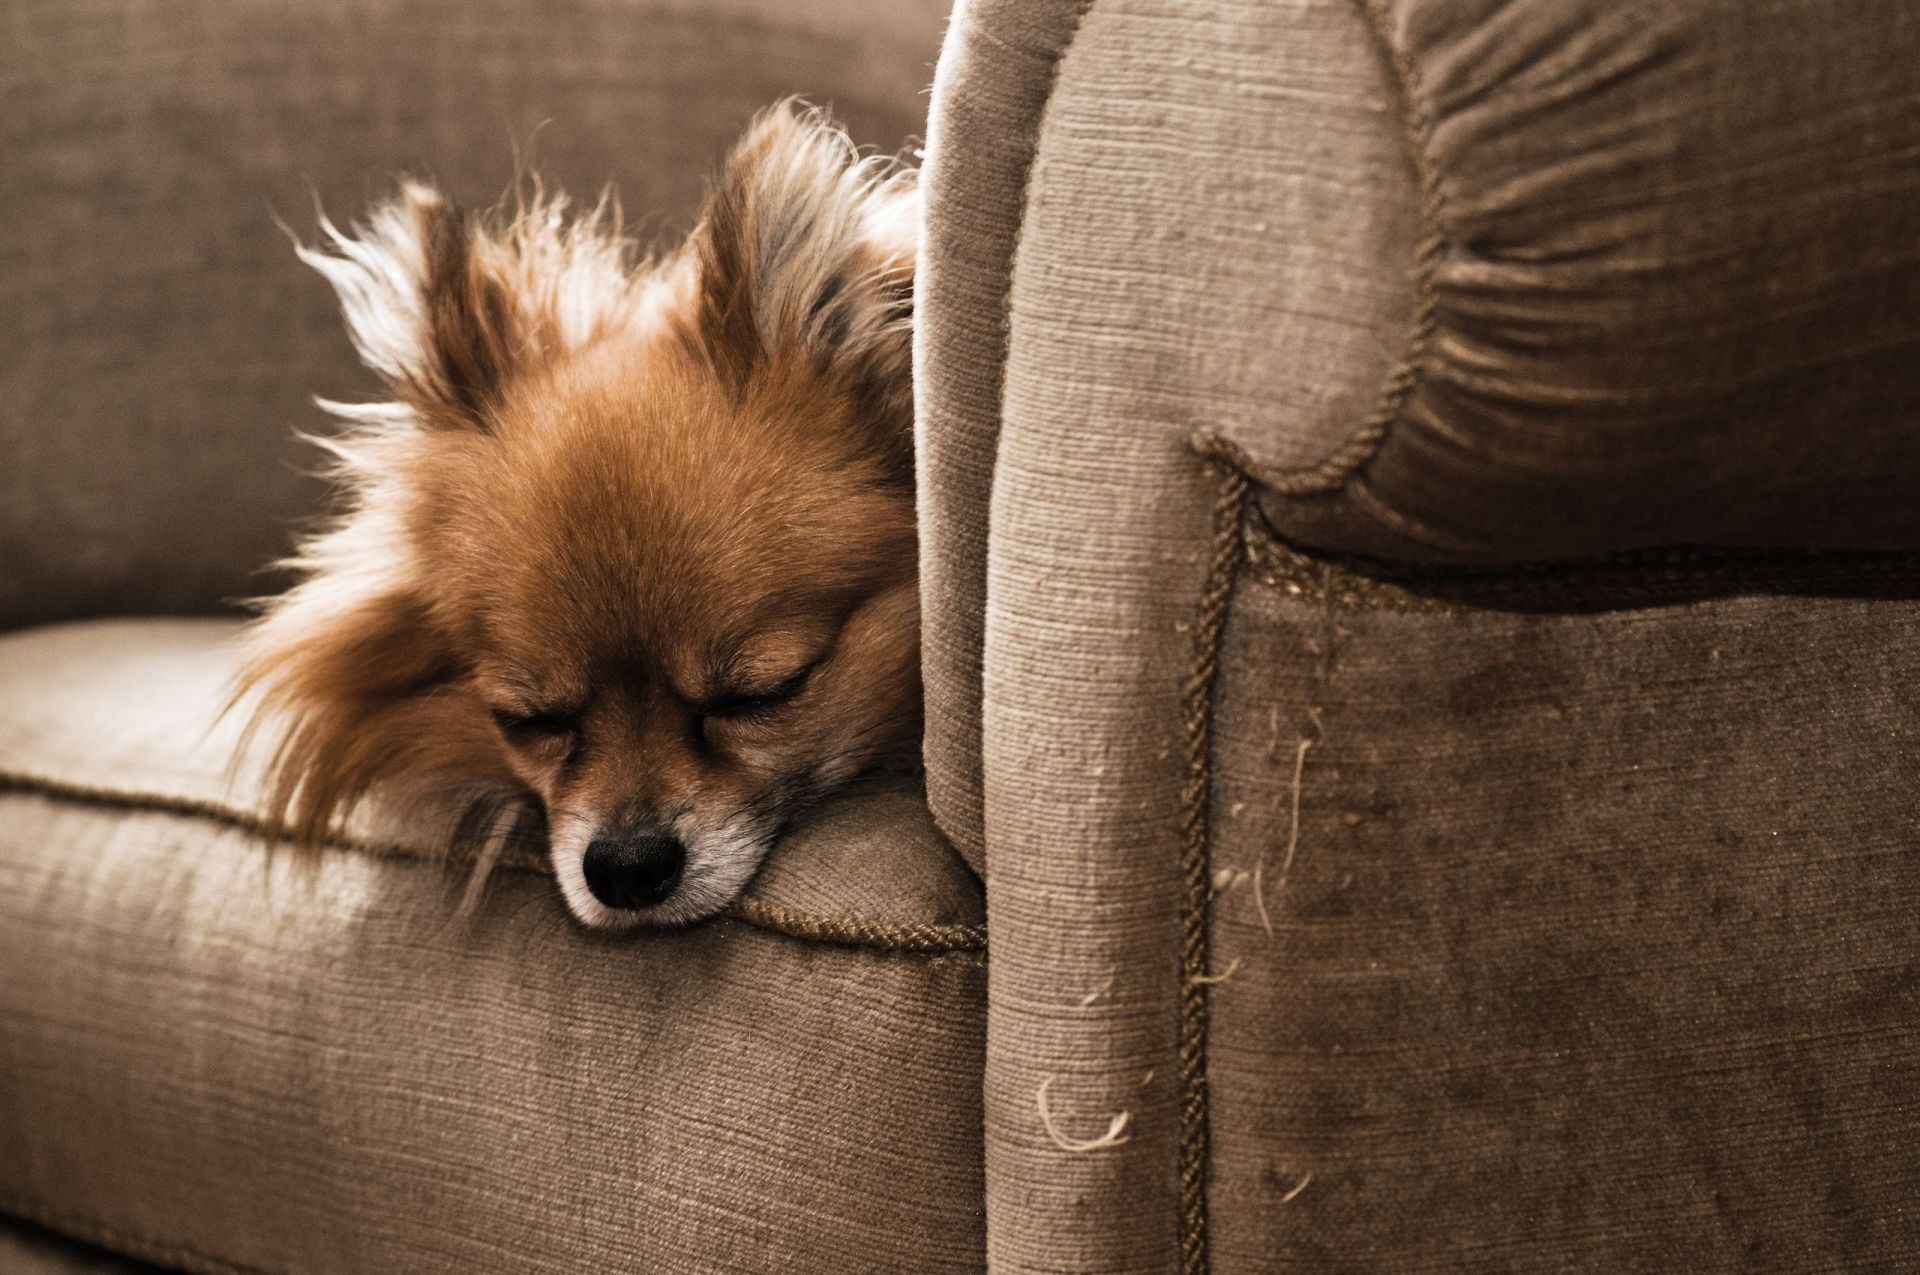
<point>632,547</point>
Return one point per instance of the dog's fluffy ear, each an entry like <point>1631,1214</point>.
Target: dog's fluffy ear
<point>450,307</point>
<point>806,247</point>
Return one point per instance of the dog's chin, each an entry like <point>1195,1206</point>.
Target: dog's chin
<point>718,869</point>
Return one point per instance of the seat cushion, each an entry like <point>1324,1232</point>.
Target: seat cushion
<point>26,1249</point>
<point>222,1059</point>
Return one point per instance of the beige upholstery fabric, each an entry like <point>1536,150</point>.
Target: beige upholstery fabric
<point>161,342</point>
<point>1561,918</point>
<point>1673,277</point>
<point>214,1063</point>
<point>28,1250</point>
<point>131,710</point>
<point>1594,950</point>
<point>996,70</point>
<point>1223,228</point>
<point>1134,275</point>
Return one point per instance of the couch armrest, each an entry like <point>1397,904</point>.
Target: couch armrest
<point>1227,227</point>
<point>1215,232</point>
<point>163,342</point>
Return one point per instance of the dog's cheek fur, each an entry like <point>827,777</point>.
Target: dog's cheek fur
<point>861,712</point>
<point>366,699</point>
<point>872,692</point>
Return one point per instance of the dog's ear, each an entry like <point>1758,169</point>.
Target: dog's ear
<point>449,308</point>
<point>806,247</point>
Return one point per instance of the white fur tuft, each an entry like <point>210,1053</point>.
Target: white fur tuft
<point>808,209</point>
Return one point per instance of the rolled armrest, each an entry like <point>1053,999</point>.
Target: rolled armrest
<point>1435,281</point>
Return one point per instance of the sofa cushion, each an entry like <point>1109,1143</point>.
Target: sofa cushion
<point>26,1249</point>
<point>221,1060</point>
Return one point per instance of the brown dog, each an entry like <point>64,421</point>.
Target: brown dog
<point>633,546</point>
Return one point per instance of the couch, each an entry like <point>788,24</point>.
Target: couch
<point>1418,549</point>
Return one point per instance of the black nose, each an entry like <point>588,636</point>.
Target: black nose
<point>634,872</point>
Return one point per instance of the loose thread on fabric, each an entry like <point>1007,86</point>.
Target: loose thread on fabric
<point>1099,992</point>
<point>1115,1135</point>
<point>1293,841</point>
<point>1214,980</point>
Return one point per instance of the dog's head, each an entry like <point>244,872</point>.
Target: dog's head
<point>634,542</point>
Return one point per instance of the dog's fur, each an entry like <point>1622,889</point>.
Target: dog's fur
<point>633,544</point>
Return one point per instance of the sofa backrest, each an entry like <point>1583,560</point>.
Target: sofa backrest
<point>161,344</point>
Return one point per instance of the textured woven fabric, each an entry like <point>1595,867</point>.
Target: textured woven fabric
<point>213,1062</point>
<point>129,711</point>
<point>161,342</point>
<point>996,70</point>
<point>1228,224</point>
<point>1135,272</point>
<point>1674,278</point>
<point>1594,949</point>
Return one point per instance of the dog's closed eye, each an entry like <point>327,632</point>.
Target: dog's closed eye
<point>737,704</point>
<point>533,727</point>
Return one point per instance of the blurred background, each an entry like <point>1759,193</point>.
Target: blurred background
<point>157,336</point>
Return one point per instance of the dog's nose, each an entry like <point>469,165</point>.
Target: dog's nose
<point>634,872</point>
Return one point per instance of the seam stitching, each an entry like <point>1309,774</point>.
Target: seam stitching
<point>1228,544</point>
<point>1332,473</point>
<point>924,938</point>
